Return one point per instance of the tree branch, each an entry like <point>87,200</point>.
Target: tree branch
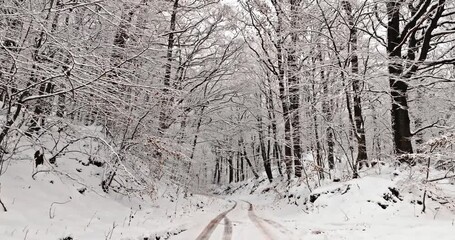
<point>424,128</point>
<point>441,178</point>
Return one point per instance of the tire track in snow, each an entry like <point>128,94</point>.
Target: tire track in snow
<point>208,230</point>
<point>258,222</point>
<point>227,235</point>
<point>278,226</point>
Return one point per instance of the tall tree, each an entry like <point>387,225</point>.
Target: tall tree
<point>359,129</point>
<point>411,36</point>
<point>166,104</point>
<point>294,86</point>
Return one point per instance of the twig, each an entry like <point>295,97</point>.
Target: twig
<point>3,205</point>
<point>52,214</point>
<point>346,218</point>
<point>26,233</point>
<point>111,231</point>
<point>441,178</point>
<point>54,157</point>
<point>425,192</point>
<point>424,128</point>
<point>40,171</point>
<point>89,222</point>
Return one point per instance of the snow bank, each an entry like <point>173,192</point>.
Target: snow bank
<point>65,200</point>
<point>377,206</point>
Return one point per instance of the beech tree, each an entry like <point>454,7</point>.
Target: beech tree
<point>410,40</point>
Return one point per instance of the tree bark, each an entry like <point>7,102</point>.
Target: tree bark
<point>245,155</point>
<point>196,136</point>
<point>279,71</point>
<point>399,72</point>
<point>400,116</point>
<point>362,156</point>
<point>294,93</point>
<point>231,167</point>
<point>276,153</point>
<point>165,104</point>
<point>285,108</point>
<point>327,108</point>
<point>265,157</point>
<point>319,162</point>
<point>216,174</point>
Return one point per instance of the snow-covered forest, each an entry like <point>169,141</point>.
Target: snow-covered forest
<point>227,119</point>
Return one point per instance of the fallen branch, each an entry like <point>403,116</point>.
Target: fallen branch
<point>3,205</point>
<point>441,178</point>
<point>40,171</point>
<point>52,214</point>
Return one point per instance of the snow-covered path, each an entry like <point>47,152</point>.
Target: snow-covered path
<point>347,210</point>
<point>208,230</point>
<point>239,221</point>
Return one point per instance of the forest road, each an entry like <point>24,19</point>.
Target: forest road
<point>259,223</point>
<point>208,230</point>
<point>265,229</point>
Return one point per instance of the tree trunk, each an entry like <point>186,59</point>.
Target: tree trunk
<point>265,157</point>
<point>402,68</point>
<point>237,165</point>
<point>193,149</point>
<point>244,154</point>
<point>377,148</point>
<point>400,116</point>
<point>418,119</point>
<point>276,153</point>
<point>327,108</point>
<point>282,93</point>
<point>215,172</point>
<point>362,156</point>
<point>319,161</point>
<point>220,169</point>
<point>242,169</point>
<point>165,104</point>
<point>231,167</point>
<point>294,93</point>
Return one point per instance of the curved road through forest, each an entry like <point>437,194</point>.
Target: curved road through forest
<point>240,221</point>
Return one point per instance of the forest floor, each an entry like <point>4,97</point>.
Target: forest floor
<point>52,207</point>
<point>65,201</point>
<point>373,207</point>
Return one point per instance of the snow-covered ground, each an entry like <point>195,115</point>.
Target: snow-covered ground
<point>354,210</point>
<point>52,207</point>
<point>373,207</point>
<point>66,202</point>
